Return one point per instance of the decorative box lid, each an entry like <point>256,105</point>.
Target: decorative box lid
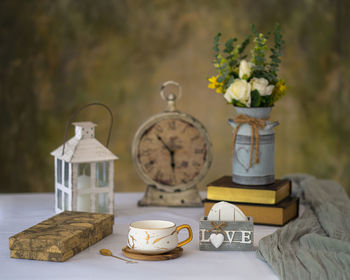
<point>63,232</point>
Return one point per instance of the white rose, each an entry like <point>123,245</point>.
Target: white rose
<point>239,90</point>
<point>269,89</point>
<point>245,69</point>
<point>261,85</point>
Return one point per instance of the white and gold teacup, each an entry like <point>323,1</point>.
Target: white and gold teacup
<point>155,237</point>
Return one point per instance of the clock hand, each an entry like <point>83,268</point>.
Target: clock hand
<point>165,145</point>
<point>170,151</point>
<point>172,164</point>
<point>172,160</point>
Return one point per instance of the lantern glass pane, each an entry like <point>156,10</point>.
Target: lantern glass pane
<point>66,201</point>
<point>66,174</point>
<point>59,199</point>
<point>84,176</point>
<point>102,202</point>
<point>102,174</point>
<point>59,170</point>
<point>83,202</point>
<point>84,169</point>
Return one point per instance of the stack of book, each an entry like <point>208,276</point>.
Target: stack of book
<point>267,204</point>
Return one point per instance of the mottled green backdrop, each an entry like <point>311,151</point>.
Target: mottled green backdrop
<point>58,55</point>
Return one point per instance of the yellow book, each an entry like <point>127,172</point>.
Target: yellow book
<point>278,214</point>
<point>225,189</point>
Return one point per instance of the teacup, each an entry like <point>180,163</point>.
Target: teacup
<point>155,237</point>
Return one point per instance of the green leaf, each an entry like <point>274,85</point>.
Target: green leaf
<point>216,43</point>
<point>230,81</point>
<point>238,103</point>
<point>233,63</point>
<point>217,37</point>
<point>244,45</point>
<point>259,50</point>
<point>262,73</point>
<point>229,45</point>
<point>265,101</point>
<point>221,78</point>
<point>276,51</point>
<point>255,98</point>
<point>254,30</point>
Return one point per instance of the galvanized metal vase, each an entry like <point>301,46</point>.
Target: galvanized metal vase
<point>244,170</point>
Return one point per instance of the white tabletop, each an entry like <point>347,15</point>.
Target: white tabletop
<point>20,211</point>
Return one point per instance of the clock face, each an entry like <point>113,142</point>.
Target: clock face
<point>172,152</point>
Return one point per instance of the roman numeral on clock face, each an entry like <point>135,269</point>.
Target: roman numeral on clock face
<point>172,125</point>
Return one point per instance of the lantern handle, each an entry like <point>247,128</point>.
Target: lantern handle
<point>78,111</point>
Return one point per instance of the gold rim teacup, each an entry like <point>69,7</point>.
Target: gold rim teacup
<point>156,236</point>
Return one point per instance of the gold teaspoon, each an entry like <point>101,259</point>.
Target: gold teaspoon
<point>106,252</point>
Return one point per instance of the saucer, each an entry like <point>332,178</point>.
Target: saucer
<point>132,254</point>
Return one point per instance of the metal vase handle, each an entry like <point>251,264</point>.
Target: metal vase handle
<point>273,124</point>
<point>78,111</point>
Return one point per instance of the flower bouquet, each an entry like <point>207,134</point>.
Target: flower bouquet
<point>249,83</point>
<point>252,85</point>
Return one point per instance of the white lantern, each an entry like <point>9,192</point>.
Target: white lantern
<point>84,173</point>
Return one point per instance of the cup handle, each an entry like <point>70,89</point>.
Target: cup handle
<point>190,235</point>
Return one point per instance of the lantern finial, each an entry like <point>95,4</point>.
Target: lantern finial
<point>84,130</point>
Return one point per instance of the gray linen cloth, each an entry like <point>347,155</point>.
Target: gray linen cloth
<point>317,244</point>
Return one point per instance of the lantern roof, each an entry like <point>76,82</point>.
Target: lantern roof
<point>84,147</point>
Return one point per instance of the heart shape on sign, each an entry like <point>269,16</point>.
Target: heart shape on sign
<point>216,239</point>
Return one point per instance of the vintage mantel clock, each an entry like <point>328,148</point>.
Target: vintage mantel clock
<point>172,153</point>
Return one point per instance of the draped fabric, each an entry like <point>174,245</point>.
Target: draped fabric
<point>317,244</point>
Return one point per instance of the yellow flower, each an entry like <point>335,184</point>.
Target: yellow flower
<point>214,84</point>
<point>220,90</point>
<point>281,86</point>
<point>279,91</point>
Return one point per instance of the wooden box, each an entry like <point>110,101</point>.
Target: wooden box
<point>61,237</point>
<point>226,235</point>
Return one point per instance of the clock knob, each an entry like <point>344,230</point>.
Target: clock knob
<point>170,97</point>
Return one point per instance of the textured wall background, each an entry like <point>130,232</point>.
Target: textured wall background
<point>58,55</point>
